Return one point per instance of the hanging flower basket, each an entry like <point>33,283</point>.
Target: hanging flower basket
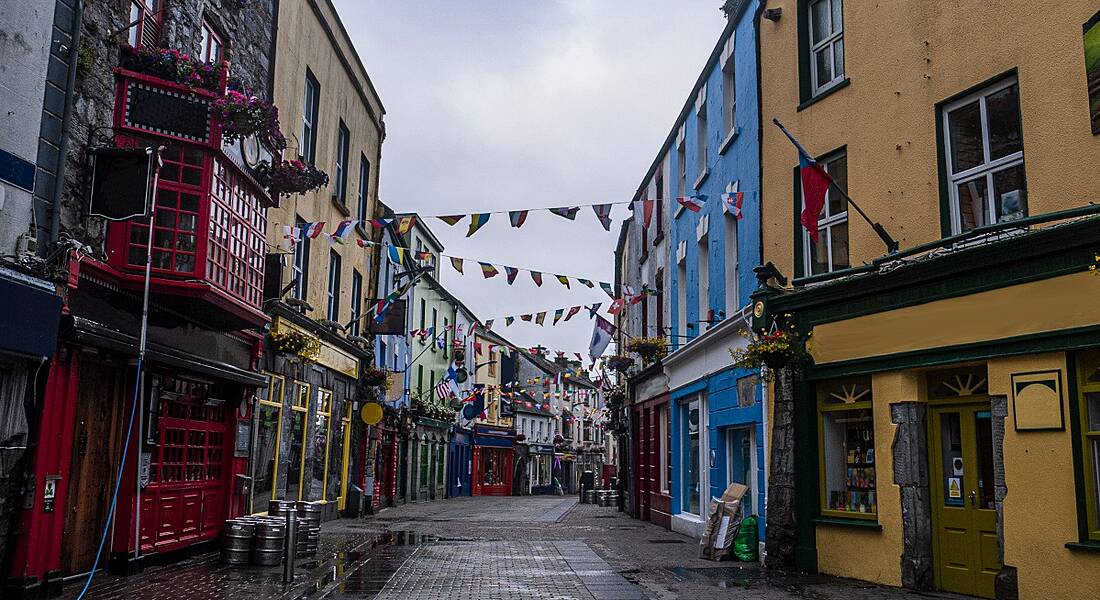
<point>620,363</point>
<point>374,377</point>
<point>172,65</point>
<point>649,348</point>
<point>774,350</point>
<point>296,343</point>
<point>290,177</point>
<point>242,114</point>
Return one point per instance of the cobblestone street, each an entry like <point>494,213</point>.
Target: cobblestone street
<point>491,548</point>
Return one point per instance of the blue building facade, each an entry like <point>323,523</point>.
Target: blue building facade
<point>716,411</point>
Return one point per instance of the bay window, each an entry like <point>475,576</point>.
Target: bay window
<point>847,449</point>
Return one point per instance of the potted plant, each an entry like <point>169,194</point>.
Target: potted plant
<point>375,377</point>
<point>290,177</point>
<point>775,349</point>
<point>172,65</point>
<point>620,363</point>
<point>296,343</point>
<point>242,114</point>
<point>649,348</point>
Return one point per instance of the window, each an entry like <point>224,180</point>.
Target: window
<point>659,185</point>
<point>342,141</point>
<point>826,44</point>
<point>984,152</point>
<point>144,31</point>
<point>180,190</point>
<point>235,254</point>
<point>299,414</point>
<point>311,100</point>
<point>681,164</point>
<point>333,286</point>
<point>691,454</point>
<point>1088,384</point>
<point>446,342</point>
<point>681,297</point>
<point>645,312</point>
<point>211,50</point>
<point>731,258</point>
<point>364,187</point>
<point>659,301</point>
<point>265,456</point>
<point>704,274</point>
<point>423,313</point>
<point>420,380</point>
<point>701,133</point>
<point>729,89</point>
<point>300,268</point>
<point>434,329</point>
<point>321,442</point>
<point>493,364</point>
<point>357,304</point>
<point>847,448</point>
<point>830,253</point>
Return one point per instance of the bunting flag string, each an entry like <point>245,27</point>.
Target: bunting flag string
<point>477,220</point>
<point>536,276</point>
<point>517,217</point>
<point>457,264</point>
<point>511,272</point>
<point>566,212</point>
<point>603,213</point>
<point>488,270</point>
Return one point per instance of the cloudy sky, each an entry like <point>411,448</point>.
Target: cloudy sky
<point>506,104</point>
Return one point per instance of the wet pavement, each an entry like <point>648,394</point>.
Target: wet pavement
<point>545,547</point>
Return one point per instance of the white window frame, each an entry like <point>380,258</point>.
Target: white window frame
<point>704,455</point>
<point>681,164</point>
<point>310,102</point>
<point>731,257</point>
<point>357,301</point>
<point>300,266</point>
<point>729,92</point>
<point>681,296</point>
<point>988,168</point>
<point>825,223</point>
<point>702,150</point>
<point>335,265</point>
<point>212,44</point>
<point>703,267</point>
<point>836,36</point>
<point>662,461</point>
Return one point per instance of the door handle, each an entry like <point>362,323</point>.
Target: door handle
<point>973,498</point>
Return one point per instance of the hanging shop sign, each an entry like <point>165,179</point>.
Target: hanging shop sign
<point>166,111</point>
<point>393,320</point>
<point>371,413</point>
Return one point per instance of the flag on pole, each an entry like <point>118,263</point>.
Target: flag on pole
<point>342,230</point>
<point>517,217</point>
<point>404,224</point>
<point>380,223</point>
<point>291,236</point>
<point>312,230</point>
<point>616,306</point>
<point>603,213</point>
<point>694,203</point>
<point>568,213</point>
<point>606,287</point>
<point>733,203</point>
<point>456,262</point>
<point>451,219</point>
<point>443,390</point>
<point>815,184</point>
<point>476,221</point>
<point>572,311</point>
<point>488,270</point>
<point>536,276</point>
<point>540,318</point>
<point>601,337</point>
<point>558,315</point>
<point>563,279</point>
<point>511,272</point>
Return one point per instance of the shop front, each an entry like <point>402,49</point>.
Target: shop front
<point>946,432</point>
<point>651,435</point>
<point>427,460</point>
<point>459,466</point>
<point>493,461</point>
<point>540,465</point>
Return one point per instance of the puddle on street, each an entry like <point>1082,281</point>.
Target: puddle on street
<point>723,577</point>
<point>364,571</point>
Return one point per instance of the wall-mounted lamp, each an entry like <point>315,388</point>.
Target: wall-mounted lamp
<point>773,14</point>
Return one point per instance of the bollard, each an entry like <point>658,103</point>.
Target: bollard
<point>291,544</point>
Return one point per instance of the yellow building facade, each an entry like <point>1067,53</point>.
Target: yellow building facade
<point>946,427</point>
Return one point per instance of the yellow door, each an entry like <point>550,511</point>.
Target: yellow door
<point>964,515</point>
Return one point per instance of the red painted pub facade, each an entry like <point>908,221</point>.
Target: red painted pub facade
<point>188,456</point>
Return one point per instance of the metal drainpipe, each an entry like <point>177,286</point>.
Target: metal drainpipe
<point>66,123</point>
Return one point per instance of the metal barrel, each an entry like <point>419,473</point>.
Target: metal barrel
<point>277,508</point>
<point>310,512</point>
<point>237,541</point>
<point>267,544</point>
<point>590,496</point>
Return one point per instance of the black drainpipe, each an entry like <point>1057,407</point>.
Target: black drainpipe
<point>66,123</point>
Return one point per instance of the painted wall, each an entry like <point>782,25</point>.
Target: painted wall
<point>392,352</point>
<point>427,288</point>
<point>902,63</point>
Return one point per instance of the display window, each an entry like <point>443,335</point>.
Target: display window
<point>1088,383</point>
<point>299,415</point>
<point>321,442</point>
<point>847,434</point>
<point>265,453</point>
<point>691,454</point>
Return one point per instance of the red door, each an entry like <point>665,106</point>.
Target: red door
<point>494,471</point>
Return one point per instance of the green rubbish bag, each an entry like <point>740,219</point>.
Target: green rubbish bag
<point>745,545</point>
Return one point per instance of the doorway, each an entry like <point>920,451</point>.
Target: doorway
<point>741,464</point>
<point>964,515</point>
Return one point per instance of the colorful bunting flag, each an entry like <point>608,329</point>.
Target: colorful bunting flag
<point>526,317</point>
<point>603,213</point>
<point>617,306</point>
<point>404,224</point>
<point>291,236</point>
<point>508,321</point>
<point>365,244</point>
<point>595,308</point>
<point>694,203</point>
<point>572,311</point>
<point>733,204</point>
<point>312,230</point>
<point>536,276</point>
<point>563,279</point>
<point>397,254</point>
<point>569,213</point>
<point>380,223</point>
<point>488,270</point>
<point>517,217</point>
<point>607,289</point>
<point>489,324</point>
<point>511,272</point>
<point>456,262</point>
<point>476,221</point>
<point>342,230</point>
<point>578,355</point>
<point>585,282</point>
<point>540,318</point>
<point>558,315</point>
<point>423,255</point>
<point>452,219</point>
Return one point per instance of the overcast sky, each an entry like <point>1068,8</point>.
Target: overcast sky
<point>510,104</point>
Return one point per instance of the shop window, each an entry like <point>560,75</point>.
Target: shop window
<point>311,96</point>
<point>318,487</point>
<point>1089,410</point>
<point>342,470</point>
<point>690,456</point>
<point>212,44</point>
<point>826,49</point>
<point>238,220</point>
<point>439,461</point>
<point>299,416</point>
<point>190,434</point>
<point>265,455</point>
<point>144,31</point>
<point>984,155</point>
<point>830,252</point>
<point>425,458</point>
<point>847,449</point>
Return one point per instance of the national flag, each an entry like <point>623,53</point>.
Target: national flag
<point>694,203</point>
<point>489,324</point>
<point>585,282</point>
<point>312,230</point>
<point>291,236</point>
<point>508,321</point>
<point>558,315</point>
<point>443,390</point>
<point>606,287</point>
<point>380,223</point>
<point>563,279</point>
<point>456,262</point>
<point>603,213</point>
<point>341,233</point>
<point>601,337</point>
<point>572,311</point>
<point>616,306</point>
<point>423,255</point>
<point>365,244</point>
<point>815,184</point>
<point>476,221</point>
<point>733,203</point>
<point>451,219</point>
<point>536,276</point>
<point>404,224</point>
<point>517,217</point>
<point>595,308</point>
<point>567,212</point>
<point>511,272</point>
<point>540,318</point>
<point>397,255</point>
<point>475,406</point>
<point>451,374</point>
<point>488,270</point>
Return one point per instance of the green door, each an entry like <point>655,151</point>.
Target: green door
<point>964,525</point>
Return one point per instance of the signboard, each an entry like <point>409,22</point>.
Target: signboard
<point>16,171</point>
<point>167,112</point>
<point>144,466</point>
<point>121,178</point>
<point>393,321</point>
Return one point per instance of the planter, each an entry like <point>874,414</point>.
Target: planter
<point>776,360</point>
